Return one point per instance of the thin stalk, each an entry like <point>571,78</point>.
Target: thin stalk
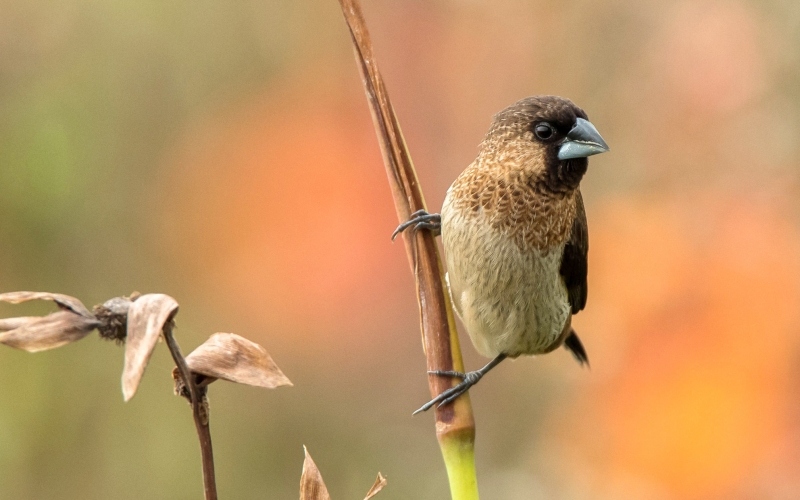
<point>455,424</point>
<point>200,413</point>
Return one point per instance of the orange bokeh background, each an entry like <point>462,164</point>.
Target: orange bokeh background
<point>225,155</point>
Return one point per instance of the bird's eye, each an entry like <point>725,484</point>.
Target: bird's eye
<point>544,131</point>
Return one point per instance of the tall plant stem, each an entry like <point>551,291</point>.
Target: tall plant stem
<point>455,425</point>
<point>200,413</point>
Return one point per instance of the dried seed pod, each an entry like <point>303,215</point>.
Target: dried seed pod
<point>113,315</point>
<point>146,318</point>
<point>312,487</point>
<point>234,358</point>
<point>40,333</point>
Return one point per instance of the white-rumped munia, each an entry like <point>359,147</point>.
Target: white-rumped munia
<point>515,237</point>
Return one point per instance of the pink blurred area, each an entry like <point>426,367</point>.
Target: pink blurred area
<point>225,155</point>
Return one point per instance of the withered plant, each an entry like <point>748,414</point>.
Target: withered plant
<point>139,321</point>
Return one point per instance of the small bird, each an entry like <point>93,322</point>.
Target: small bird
<point>515,237</point>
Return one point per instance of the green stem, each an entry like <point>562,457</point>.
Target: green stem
<point>458,451</point>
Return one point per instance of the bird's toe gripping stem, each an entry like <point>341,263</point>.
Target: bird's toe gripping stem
<point>467,380</point>
<point>421,220</point>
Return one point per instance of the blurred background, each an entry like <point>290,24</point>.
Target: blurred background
<point>223,153</point>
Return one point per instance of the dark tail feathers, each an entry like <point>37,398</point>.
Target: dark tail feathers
<point>573,344</point>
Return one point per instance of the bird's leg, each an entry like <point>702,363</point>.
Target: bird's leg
<point>421,220</point>
<point>467,380</point>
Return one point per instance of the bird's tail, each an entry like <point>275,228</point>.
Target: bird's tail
<point>573,344</point>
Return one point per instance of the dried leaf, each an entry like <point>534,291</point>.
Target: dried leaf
<point>234,358</point>
<point>378,486</point>
<point>312,487</point>
<point>63,301</point>
<point>146,318</point>
<point>34,334</point>
<point>9,324</point>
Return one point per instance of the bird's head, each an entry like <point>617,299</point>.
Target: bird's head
<point>546,136</point>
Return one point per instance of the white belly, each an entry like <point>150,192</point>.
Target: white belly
<point>511,301</point>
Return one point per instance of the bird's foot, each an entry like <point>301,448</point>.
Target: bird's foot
<point>467,380</point>
<point>421,220</point>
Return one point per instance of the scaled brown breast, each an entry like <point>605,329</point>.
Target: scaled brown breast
<point>517,203</point>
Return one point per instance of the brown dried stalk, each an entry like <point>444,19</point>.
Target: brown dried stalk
<point>199,402</point>
<point>440,341</point>
<point>455,424</point>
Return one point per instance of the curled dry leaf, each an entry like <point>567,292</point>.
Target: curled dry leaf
<point>234,358</point>
<point>380,482</point>
<point>42,333</point>
<point>63,301</point>
<point>146,318</point>
<point>312,487</point>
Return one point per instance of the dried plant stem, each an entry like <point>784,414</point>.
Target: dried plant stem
<point>199,412</point>
<point>455,425</point>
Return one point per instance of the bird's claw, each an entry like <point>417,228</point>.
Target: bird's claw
<point>421,220</point>
<point>467,380</point>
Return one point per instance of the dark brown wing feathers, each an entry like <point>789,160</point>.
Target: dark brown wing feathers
<point>574,269</point>
<point>574,261</point>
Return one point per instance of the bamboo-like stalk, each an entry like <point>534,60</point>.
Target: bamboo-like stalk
<point>455,424</point>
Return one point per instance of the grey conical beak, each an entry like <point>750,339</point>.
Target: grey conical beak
<point>582,140</point>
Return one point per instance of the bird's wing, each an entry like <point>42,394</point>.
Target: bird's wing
<point>574,262</point>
